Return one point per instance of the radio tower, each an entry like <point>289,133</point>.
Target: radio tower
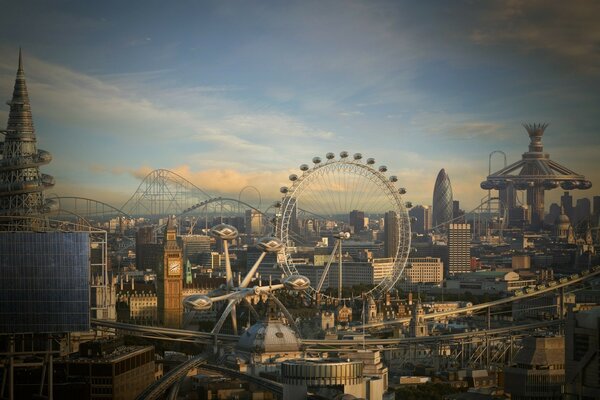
<point>21,183</point>
<point>536,172</point>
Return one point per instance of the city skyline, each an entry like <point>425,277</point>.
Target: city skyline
<point>230,96</point>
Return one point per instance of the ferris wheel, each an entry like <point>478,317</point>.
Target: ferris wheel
<point>354,216</point>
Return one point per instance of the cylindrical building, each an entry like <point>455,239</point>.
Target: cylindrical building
<point>442,201</point>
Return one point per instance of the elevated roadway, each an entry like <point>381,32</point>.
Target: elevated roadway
<point>519,295</point>
<point>156,390</point>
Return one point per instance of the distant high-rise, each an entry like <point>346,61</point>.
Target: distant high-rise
<point>422,219</point>
<point>357,220</point>
<point>566,201</point>
<point>459,248</point>
<point>596,204</point>
<point>391,238</point>
<point>458,215</point>
<point>21,183</point>
<point>582,210</point>
<point>442,200</point>
<point>254,222</point>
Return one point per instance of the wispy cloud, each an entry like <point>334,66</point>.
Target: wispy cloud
<point>567,30</point>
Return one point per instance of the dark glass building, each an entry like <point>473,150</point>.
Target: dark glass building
<point>442,200</point>
<point>45,282</point>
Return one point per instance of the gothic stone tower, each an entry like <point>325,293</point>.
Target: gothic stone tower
<point>170,281</point>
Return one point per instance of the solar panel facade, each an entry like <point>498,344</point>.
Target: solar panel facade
<point>44,282</point>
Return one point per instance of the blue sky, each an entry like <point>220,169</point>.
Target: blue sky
<point>233,93</point>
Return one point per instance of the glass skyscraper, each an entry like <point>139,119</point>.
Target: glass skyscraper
<point>442,200</point>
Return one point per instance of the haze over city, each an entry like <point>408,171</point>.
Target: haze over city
<point>230,95</point>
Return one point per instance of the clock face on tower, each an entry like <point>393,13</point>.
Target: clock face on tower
<point>174,267</point>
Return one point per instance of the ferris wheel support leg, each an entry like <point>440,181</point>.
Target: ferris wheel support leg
<point>252,271</point>
<point>285,311</point>
<point>326,270</point>
<point>228,273</point>
<point>224,315</point>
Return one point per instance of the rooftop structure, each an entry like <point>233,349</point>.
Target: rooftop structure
<point>535,172</point>
<point>21,183</point>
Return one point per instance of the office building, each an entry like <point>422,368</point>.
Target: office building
<point>148,253</point>
<point>566,201</point>
<point>442,201</point>
<point>106,370</point>
<point>459,248</point>
<point>582,351</point>
<point>421,271</point>
<point>391,235</point>
<point>194,246</point>
<point>458,215</point>
<point>596,205</point>
<point>421,216</point>
<point>357,221</point>
<point>254,222</point>
<point>582,211</point>
<point>45,284</point>
<point>538,371</point>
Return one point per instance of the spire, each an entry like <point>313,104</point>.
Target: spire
<point>20,61</point>
<point>171,223</point>
<point>20,122</point>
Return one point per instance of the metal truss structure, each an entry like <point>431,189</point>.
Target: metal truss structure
<point>162,193</point>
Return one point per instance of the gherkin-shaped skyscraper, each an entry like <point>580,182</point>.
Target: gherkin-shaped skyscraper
<point>442,201</point>
<point>21,182</point>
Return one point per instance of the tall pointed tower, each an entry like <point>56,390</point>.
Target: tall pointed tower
<point>170,281</point>
<point>21,183</point>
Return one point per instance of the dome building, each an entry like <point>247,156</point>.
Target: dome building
<point>563,229</point>
<point>264,345</point>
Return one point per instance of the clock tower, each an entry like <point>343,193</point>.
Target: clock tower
<point>170,281</point>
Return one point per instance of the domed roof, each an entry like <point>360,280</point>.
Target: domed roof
<point>562,221</point>
<point>269,337</point>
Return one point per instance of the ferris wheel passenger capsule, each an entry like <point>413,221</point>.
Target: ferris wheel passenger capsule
<point>330,156</point>
<point>293,177</point>
<point>370,161</point>
<point>316,160</point>
<point>393,178</point>
<point>283,189</point>
<point>277,204</point>
<point>383,168</point>
<point>408,204</point>
<point>402,191</point>
<point>357,156</point>
<point>344,154</point>
<point>304,167</point>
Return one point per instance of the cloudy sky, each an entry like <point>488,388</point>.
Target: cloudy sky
<point>236,93</point>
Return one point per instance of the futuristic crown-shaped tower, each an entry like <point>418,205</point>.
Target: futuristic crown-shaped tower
<point>21,183</point>
<point>536,172</point>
